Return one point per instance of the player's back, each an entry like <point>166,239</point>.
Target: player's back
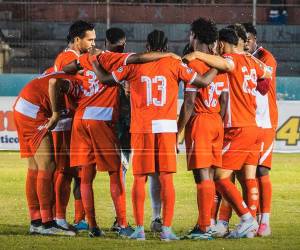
<point>242,90</point>
<point>154,93</point>
<point>207,99</point>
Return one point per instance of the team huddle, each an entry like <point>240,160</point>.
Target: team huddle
<point>95,108</point>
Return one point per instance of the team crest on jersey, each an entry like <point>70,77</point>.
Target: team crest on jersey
<point>120,70</point>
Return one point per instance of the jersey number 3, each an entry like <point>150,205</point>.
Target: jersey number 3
<point>160,82</point>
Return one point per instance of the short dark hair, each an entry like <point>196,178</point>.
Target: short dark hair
<point>205,30</point>
<point>240,30</point>
<point>228,35</point>
<point>250,28</point>
<point>114,35</point>
<point>79,28</point>
<point>157,40</point>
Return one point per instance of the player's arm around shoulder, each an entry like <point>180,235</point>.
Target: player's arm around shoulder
<point>149,57</point>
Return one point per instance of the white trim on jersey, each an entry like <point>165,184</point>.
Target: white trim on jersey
<point>191,90</point>
<point>266,154</point>
<point>125,61</point>
<point>228,122</point>
<point>64,124</point>
<point>27,108</point>
<point>115,77</point>
<point>97,113</point>
<point>164,126</point>
<point>226,148</point>
<point>193,78</point>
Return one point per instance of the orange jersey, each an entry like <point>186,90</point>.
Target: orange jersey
<point>207,99</point>
<point>64,58</point>
<point>100,101</point>
<point>154,93</point>
<point>242,90</point>
<point>34,101</point>
<point>268,111</point>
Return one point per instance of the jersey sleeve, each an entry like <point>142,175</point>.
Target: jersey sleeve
<point>226,83</point>
<point>64,59</point>
<point>231,60</point>
<point>122,73</point>
<point>186,74</point>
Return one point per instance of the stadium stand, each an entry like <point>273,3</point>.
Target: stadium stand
<point>36,39</point>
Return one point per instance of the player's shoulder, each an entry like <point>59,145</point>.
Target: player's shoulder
<point>67,53</point>
<point>198,66</point>
<point>266,54</point>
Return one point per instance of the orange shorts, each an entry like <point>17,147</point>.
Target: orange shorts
<point>204,140</point>
<point>241,146</point>
<point>30,132</point>
<point>267,138</point>
<point>153,153</point>
<point>94,142</point>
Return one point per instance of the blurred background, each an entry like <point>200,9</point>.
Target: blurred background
<point>34,32</point>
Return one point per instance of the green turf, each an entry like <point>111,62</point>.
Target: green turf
<point>14,221</point>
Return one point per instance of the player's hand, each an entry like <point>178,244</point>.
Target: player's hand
<point>94,51</point>
<point>53,121</point>
<point>177,57</point>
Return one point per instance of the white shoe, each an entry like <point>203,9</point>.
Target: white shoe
<point>57,230</point>
<point>264,230</point>
<point>35,229</point>
<point>220,230</point>
<point>64,224</point>
<point>246,229</point>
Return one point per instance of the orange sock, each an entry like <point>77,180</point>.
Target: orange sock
<point>138,198</point>
<point>230,192</point>
<point>265,188</point>
<point>62,194</point>
<point>205,198</point>
<point>55,175</point>
<point>79,211</point>
<point>88,174</point>
<point>45,194</point>
<point>252,198</point>
<point>167,197</point>
<point>225,211</point>
<point>118,196</point>
<point>31,194</point>
<point>216,205</point>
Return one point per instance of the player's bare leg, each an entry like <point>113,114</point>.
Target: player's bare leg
<point>265,194</point>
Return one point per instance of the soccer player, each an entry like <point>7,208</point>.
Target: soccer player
<point>36,112</point>
<point>201,114</point>
<point>81,38</point>
<point>241,140</point>
<point>153,95</point>
<point>268,114</point>
<point>94,142</point>
<point>115,42</point>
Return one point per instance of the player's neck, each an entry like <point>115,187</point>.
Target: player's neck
<point>202,48</point>
<point>72,46</point>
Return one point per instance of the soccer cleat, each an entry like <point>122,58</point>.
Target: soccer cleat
<point>126,231</point>
<point>64,224</point>
<point>156,225</point>
<point>246,229</point>
<point>96,232</point>
<point>115,226</point>
<point>34,229</point>
<point>197,234</point>
<point>51,228</point>
<point>138,234</point>
<point>220,230</point>
<point>167,234</point>
<point>81,226</point>
<point>264,230</point>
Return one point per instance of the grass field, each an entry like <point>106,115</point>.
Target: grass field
<point>14,220</point>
